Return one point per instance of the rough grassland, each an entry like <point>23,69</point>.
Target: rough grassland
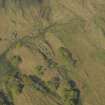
<point>80,26</point>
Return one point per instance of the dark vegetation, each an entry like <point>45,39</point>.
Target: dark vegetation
<point>4,99</point>
<point>19,79</point>
<point>72,94</point>
<point>39,84</point>
<point>76,99</point>
<point>9,78</point>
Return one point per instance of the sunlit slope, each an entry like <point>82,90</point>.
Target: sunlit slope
<point>79,24</point>
<point>31,97</point>
<point>84,36</point>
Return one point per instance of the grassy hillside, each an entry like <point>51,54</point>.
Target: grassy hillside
<point>57,42</point>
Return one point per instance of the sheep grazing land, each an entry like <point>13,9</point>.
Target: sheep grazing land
<point>52,52</point>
